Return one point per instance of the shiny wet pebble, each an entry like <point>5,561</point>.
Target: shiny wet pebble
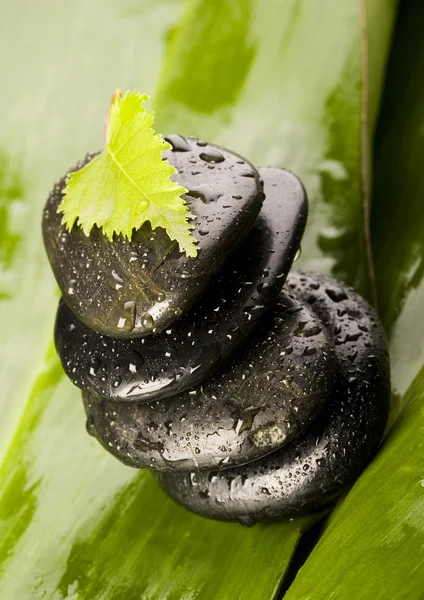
<point>126,289</point>
<point>269,393</point>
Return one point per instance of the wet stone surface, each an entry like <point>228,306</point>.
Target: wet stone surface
<point>191,348</point>
<point>313,469</point>
<point>269,392</point>
<point>130,288</point>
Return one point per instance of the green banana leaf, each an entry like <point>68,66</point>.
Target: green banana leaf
<point>373,544</point>
<point>283,85</point>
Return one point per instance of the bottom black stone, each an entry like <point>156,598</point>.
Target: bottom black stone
<point>305,475</point>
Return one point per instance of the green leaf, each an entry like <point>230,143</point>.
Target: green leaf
<point>129,183</point>
<point>372,547</point>
<point>282,86</point>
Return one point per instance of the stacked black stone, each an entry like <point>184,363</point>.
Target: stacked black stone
<point>257,394</point>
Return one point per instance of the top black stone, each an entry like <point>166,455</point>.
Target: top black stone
<point>133,288</point>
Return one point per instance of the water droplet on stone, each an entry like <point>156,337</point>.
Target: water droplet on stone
<point>337,295</point>
<point>178,143</point>
<point>246,374</point>
<point>147,322</point>
<point>129,314</point>
<point>71,289</point>
<point>117,280</point>
<point>116,382</point>
<point>212,156</point>
<point>307,329</point>
<point>94,366</point>
<point>205,192</point>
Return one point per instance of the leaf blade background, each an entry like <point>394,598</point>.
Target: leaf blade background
<point>373,544</point>
<point>52,469</point>
<point>59,66</point>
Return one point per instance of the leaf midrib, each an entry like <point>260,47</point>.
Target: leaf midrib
<point>124,172</point>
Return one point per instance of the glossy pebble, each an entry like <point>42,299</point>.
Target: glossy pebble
<point>264,397</point>
<point>133,288</point>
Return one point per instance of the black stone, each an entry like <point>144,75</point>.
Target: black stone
<point>182,356</point>
<point>316,467</point>
<point>131,288</point>
<point>270,392</point>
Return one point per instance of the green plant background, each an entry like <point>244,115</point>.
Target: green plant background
<point>295,83</point>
